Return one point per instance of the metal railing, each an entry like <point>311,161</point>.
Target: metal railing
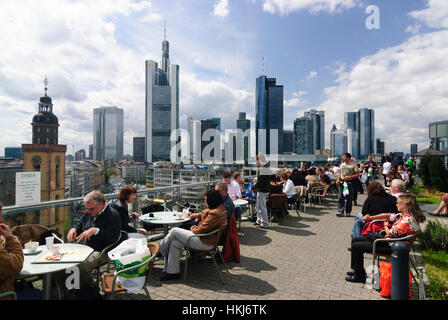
<point>77,207</point>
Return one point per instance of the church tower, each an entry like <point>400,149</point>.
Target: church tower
<point>48,157</point>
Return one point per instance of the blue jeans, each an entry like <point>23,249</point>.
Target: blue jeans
<point>357,226</point>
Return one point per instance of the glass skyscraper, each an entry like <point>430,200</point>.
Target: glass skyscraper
<point>162,107</point>
<point>362,124</point>
<point>108,133</point>
<point>318,119</point>
<point>243,141</point>
<point>268,115</point>
<point>303,136</point>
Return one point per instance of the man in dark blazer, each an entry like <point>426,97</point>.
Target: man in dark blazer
<point>98,228</point>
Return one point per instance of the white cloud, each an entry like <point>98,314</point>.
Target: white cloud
<point>296,100</point>
<point>221,8</point>
<point>435,15</point>
<point>311,75</point>
<point>285,7</point>
<point>405,84</point>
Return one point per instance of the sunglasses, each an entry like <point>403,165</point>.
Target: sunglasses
<point>91,209</point>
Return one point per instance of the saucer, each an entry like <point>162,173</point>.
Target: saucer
<point>27,252</point>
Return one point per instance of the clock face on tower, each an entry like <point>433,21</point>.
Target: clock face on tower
<point>36,160</point>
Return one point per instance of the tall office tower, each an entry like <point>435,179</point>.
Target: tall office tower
<point>333,129</point>
<point>414,149</point>
<point>91,152</point>
<point>380,147</point>
<point>288,141</point>
<point>242,142</point>
<point>269,115</point>
<point>318,119</point>
<point>362,123</point>
<point>194,132</point>
<point>303,136</point>
<point>351,122</point>
<point>108,133</point>
<point>206,125</point>
<point>218,127</point>
<point>339,142</point>
<point>366,132</point>
<point>161,107</point>
<point>138,148</point>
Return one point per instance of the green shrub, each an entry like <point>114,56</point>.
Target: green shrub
<point>437,289</point>
<point>435,236</point>
<point>433,173</point>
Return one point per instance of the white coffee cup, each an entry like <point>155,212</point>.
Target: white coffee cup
<point>49,241</point>
<point>31,246</point>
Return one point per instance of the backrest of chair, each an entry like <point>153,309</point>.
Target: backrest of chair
<point>277,200</point>
<point>154,249</point>
<point>301,191</point>
<point>29,232</point>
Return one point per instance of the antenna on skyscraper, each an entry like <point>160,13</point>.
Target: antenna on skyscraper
<point>164,29</point>
<point>46,83</point>
<point>262,70</point>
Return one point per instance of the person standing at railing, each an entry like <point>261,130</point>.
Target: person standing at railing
<point>126,196</point>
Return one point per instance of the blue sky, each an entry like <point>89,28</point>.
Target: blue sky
<point>93,54</point>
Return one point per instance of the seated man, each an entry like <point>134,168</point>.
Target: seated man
<point>234,191</point>
<point>210,219</point>
<point>98,228</point>
<point>228,203</point>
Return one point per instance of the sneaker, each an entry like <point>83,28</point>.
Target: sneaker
<point>347,215</point>
<point>261,227</point>
<point>340,214</point>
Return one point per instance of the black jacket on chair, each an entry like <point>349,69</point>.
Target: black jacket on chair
<point>122,209</point>
<point>109,224</point>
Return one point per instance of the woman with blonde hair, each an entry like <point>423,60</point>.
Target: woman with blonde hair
<point>405,223</point>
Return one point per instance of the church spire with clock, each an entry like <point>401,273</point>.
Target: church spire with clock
<point>45,157</point>
<point>45,123</point>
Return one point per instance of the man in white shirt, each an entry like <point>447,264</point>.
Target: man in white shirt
<point>233,187</point>
<point>234,191</point>
<point>386,168</point>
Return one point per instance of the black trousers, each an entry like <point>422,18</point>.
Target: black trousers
<point>362,245</point>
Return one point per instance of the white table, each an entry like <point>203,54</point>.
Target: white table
<point>165,218</point>
<point>240,202</point>
<point>46,269</point>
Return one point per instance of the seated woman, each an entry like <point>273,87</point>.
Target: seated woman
<point>378,201</point>
<point>443,206</point>
<point>312,178</point>
<point>126,196</point>
<point>210,219</point>
<point>297,178</point>
<point>249,196</point>
<point>288,188</point>
<point>391,175</point>
<point>404,224</point>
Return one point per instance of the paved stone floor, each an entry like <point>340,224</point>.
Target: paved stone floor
<point>300,259</point>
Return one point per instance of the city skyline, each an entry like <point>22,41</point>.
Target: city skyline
<point>96,59</point>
